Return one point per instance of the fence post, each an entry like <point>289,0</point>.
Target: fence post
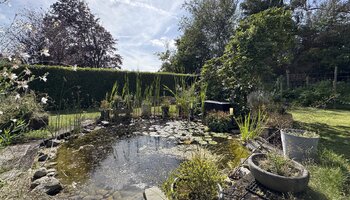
<point>288,80</point>
<point>335,79</point>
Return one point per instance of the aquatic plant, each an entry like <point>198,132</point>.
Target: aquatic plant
<point>251,126</point>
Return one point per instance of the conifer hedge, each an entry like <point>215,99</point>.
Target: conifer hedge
<point>86,87</point>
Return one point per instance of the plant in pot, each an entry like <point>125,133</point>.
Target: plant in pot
<point>299,144</point>
<point>197,178</point>
<point>146,108</point>
<point>278,173</point>
<point>105,109</point>
<point>165,108</point>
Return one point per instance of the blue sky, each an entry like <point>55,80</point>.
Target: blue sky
<point>140,26</point>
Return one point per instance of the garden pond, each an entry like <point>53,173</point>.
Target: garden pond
<point>119,162</point>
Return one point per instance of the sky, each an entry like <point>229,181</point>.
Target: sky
<point>142,27</point>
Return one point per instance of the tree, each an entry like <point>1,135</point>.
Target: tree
<point>67,35</point>
<point>250,7</point>
<point>324,39</point>
<point>206,31</point>
<point>262,46</point>
<point>76,37</point>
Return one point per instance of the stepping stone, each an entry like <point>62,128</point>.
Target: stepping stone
<point>154,193</point>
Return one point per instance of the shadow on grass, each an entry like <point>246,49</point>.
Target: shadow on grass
<point>335,138</point>
<point>310,194</point>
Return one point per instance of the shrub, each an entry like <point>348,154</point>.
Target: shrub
<point>219,122</point>
<point>197,179</point>
<point>319,94</point>
<point>25,108</point>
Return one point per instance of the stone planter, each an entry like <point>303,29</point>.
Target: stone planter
<point>146,109</point>
<point>277,182</point>
<point>220,190</point>
<point>298,147</point>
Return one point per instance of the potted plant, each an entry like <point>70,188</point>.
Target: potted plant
<point>197,178</point>
<point>165,108</point>
<point>146,108</point>
<point>278,173</point>
<point>299,144</point>
<point>105,109</point>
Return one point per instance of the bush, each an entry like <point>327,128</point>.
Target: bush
<point>197,179</point>
<point>25,108</point>
<point>18,114</point>
<point>88,86</point>
<point>219,122</point>
<point>319,94</point>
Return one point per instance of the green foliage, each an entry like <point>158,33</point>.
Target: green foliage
<point>261,46</point>
<point>93,84</point>
<point>207,28</point>
<point>185,95</point>
<point>11,131</point>
<point>319,94</point>
<point>278,164</point>
<point>251,126</point>
<point>211,78</point>
<point>325,42</point>
<point>250,7</point>
<point>219,122</point>
<point>197,179</point>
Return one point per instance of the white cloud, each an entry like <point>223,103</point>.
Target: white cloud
<point>163,42</point>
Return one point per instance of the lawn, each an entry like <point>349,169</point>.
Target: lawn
<point>330,176</point>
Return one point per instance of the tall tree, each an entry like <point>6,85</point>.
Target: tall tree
<point>262,45</point>
<point>250,7</point>
<point>206,31</point>
<point>324,39</point>
<point>76,37</point>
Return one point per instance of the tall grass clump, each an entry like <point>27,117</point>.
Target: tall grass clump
<point>251,126</point>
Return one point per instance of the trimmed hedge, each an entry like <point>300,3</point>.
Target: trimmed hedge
<point>89,86</point>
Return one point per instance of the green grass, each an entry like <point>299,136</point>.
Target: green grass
<point>330,176</point>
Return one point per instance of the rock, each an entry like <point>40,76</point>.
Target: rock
<point>48,185</point>
<point>117,195</point>
<point>53,143</point>
<point>43,157</point>
<point>102,192</point>
<point>41,172</point>
<point>105,123</point>
<point>154,193</point>
<point>97,128</point>
<point>51,172</point>
<point>19,156</point>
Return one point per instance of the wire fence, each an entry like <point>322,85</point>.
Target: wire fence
<point>302,80</point>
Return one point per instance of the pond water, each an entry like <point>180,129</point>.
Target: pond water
<point>100,165</point>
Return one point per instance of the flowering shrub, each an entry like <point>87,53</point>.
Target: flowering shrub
<point>18,105</point>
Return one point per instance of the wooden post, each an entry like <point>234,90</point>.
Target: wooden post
<point>288,80</point>
<point>281,86</point>
<point>307,81</point>
<point>335,79</point>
